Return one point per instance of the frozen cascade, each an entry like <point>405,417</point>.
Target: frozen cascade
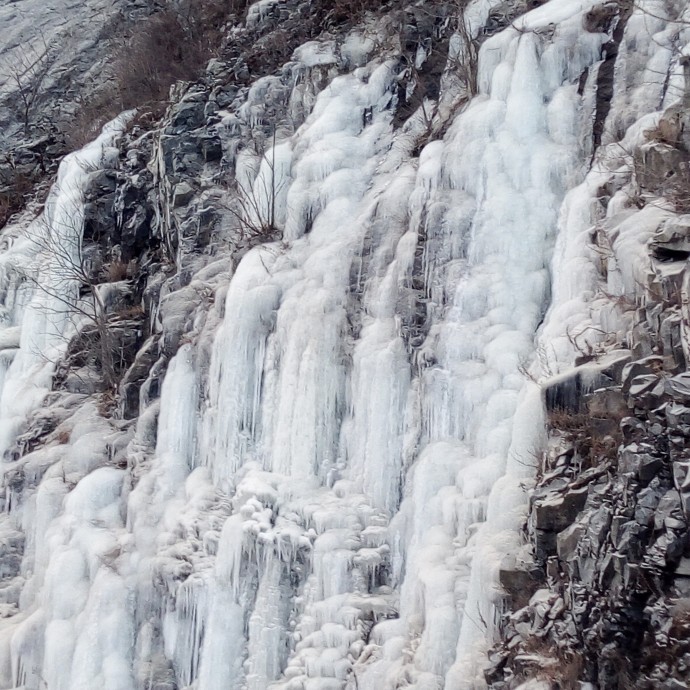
<point>327,501</point>
<point>350,435</point>
<point>60,611</point>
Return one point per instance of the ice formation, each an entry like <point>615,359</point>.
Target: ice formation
<point>329,500</point>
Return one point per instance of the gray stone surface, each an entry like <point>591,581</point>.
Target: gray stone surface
<point>73,32</point>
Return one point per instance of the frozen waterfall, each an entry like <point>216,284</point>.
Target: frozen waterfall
<point>327,500</point>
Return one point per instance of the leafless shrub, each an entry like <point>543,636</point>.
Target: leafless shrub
<point>568,422</point>
<point>593,445</point>
<point>171,45</point>
<point>660,134</point>
<point>677,188</point>
<point>467,62</point>
<point>15,188</point>
<point>624,302</point>
<point>562,668</point>
<point>107,402</point>
<point>27,75</point>
<point>69,267</point>
<point>253,205</point>
<point>129,313</point>
<point>533,458</point>
<point>586,349</point>
<point>343,12</point>
<point>546,366</point>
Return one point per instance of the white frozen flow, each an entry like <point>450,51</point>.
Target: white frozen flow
<point>329,508</point>
<point>66,523</point>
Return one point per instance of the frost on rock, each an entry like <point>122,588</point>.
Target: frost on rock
<point>323,493</point>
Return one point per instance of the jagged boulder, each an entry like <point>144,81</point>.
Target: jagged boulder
<point>520,578</point>
<point>182,194</point>
<point>671,242</point>
<point>659,168</point>
<point>640,461</point>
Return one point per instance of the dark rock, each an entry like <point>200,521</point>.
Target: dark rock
<point>632,428</point>
<point>647,502</point>
<point>614,362</point>
<point>569,539</point>
<point>681,479</point>
<point>657,165</point>
<point>683,568</point>
<point>187,116</point>
<point>674,523</point>
<point>494,672</point>
<point>646,366</point>
<point>520,580</point>
<point>643,340</point>
<point>666,551</point>
<point>182,156</point>
<point>556,511</point>
<point>135,376</point>
<point>628,541</point>
<point>646,392</point>
<point>617,521</point>
<point>599,524</point>
<point>671,336</point>
<point>607,402</point>
<point>99,183</point>
<point>671,242</point>
<point>600,17</point>
<point>182,194</point>
<point>83,380</point>
<point>668,507</point>
<point>99,212</point>
<point>545,544</point>
<point>668,280</point>
<point>151,388</point>
<point>678,387</point>
<point>198,229</point>
<point>640,461</point>
<point>211,148</point>
<point>502,14</point>
<point>642,384</point>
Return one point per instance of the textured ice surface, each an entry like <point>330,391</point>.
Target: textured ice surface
<point>327,504</point>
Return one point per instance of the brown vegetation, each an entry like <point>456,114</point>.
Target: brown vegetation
<point>14,189</point>
<point>115,271</point>
<point>561,668</point>
<point>171,45</point>
<point>62,436</point>
<point>595,440</point>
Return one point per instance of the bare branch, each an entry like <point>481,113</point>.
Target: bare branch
<point>29,73</point>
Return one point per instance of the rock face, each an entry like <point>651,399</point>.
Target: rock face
<point>608,540</point>
<point>56,42</point>
<point>363,366</point>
